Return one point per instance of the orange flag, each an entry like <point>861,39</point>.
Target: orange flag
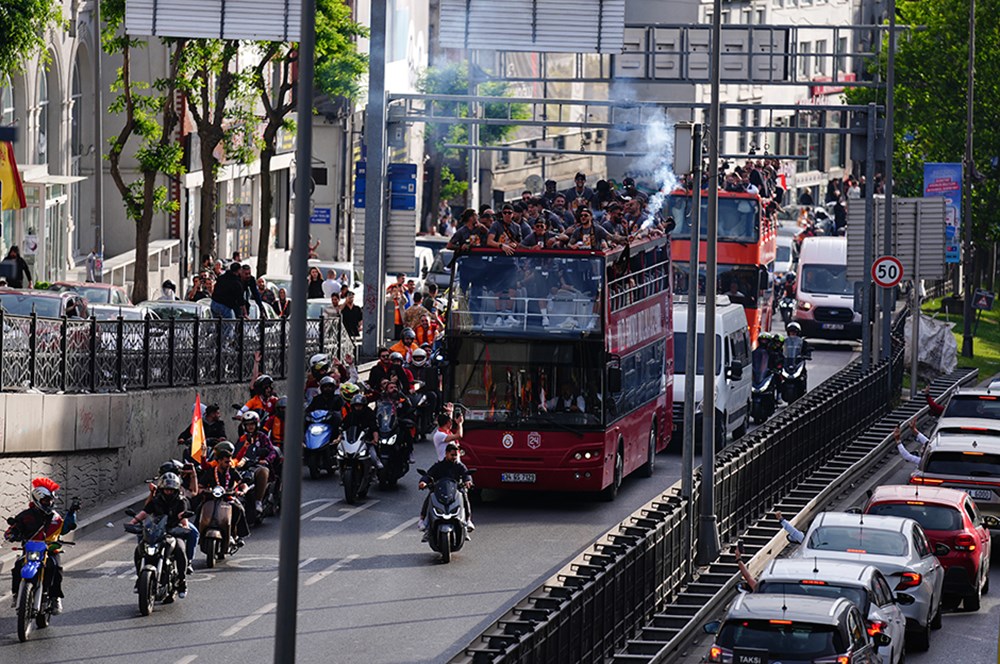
<point>11,187</point>
<point>197,432</point>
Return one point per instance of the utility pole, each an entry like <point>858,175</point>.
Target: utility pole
<point>867,303</point>
<point>968,260</point>
<point>888,303</point>
<point>708,529</point>
<point>98,147</point>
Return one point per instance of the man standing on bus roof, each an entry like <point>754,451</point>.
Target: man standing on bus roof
<point>541,238</point>
<point>587,235</point>
<point>470,233</point>
<point>580,190</point>
<point>504,233</point>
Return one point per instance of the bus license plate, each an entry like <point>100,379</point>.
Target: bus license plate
<point>833,326</point>
<point>524,478</point>
<point>981,494</point>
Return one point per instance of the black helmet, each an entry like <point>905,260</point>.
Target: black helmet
<point>224,447</point>
<point>171,466</point>
<point>263,382</point>
<point>409,335</point>
<point>359,400</point>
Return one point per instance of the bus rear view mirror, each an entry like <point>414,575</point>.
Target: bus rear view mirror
<point>614,380</point>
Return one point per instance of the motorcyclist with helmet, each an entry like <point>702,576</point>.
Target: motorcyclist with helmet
<point>406,345</point>
<point>259,456</point>
<point>263,398</point>
<point>328,398</point>
<point>425,372</point>
<point>451,467</point>
<point>362,417</point>
<point>189,490</point>
<point>40,522</point>
<point>794,330</point>
<point>319,367</point>
<point>274,425</point>
<point>231,480</point>
<point>170,502</point>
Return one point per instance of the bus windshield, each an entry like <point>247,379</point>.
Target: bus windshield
<point>527,295</point>
<point>739,282</point>
<point>739,218</point>
<point>530,383</point>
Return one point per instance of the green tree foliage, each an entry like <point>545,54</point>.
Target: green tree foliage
<point>930,100</point>
<point>150,119</point>
<point>23,27</point>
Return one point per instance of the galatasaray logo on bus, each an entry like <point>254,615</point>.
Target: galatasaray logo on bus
<point>534,440</point>
<point>507,440</point>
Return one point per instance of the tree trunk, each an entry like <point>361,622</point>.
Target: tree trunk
<point>266,201</point>
<point>140,287</point>
<point>209,197</point>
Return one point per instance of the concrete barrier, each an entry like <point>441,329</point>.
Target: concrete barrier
<point>96,445</point>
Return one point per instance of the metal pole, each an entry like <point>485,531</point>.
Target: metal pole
<point>691,347</point>
<point>375,184</point>
<point>890,82</point>
<point>708,531</point>
<point>915,310</point>
<point>98,146</point>
<point>291,478</point>
<point>473,161</point>
<point>967,259</point>
<point>866,295</point>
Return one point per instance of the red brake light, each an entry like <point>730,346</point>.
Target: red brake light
<point>876,627</point>
<point>973,428</point>
<point>812,582</point>
<point>780,622</point>
<point>857,551</point>
<point>985,398</point>
<point>965,542</point>
<point>914,502</point>
<point>925,480</point>
<point>909,580</point>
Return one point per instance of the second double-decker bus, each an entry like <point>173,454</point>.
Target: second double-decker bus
<point>562,361</point>
<point>746,251</point>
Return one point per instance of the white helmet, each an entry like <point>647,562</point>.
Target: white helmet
<point>418,357</point>
<point>251,416</point>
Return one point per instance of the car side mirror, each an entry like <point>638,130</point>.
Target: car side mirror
<point>905,600</point>
<point>990,521</point>
<point>882,639</point>
<point>743,587</point>
<point>712,627</point>
<point>941,549</point>
<point>614,379</point>
<point>734,371</point>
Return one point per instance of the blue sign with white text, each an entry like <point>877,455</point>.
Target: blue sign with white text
<point>321,216</point>
<point>944,180</point>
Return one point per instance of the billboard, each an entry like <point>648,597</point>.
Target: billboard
<point>944,180</point>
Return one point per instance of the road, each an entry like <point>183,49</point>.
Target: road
<point>369,588</point>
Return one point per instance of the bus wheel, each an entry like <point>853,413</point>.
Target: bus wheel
<point>647,468</point>
<point>611,492</point>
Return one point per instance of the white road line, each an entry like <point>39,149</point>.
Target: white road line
<point>319,576</point>
<point>301,565</point>
<point>250,619</point>
<point>186,660</point>
<point>400,528</point>
<point>326,503</point>
<point>73,562</point>
<point>347,512</point>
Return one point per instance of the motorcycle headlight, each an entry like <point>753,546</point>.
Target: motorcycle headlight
<point>150,550</point>
<point>218,492</point>
<point>34,556</point>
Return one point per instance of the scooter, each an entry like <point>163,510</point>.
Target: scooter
<point>446,517</point>
<point>392,449</point>
<point>158,575</point>
<point>34,606</point>
<point>319,440</point>
<point>355,464</point>
<point>794,377</point>
<point>215,525</point>
<point>763,394</point>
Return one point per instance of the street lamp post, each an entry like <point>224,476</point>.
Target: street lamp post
<point>968,262</point>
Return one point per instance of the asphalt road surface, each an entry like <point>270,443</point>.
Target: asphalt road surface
<point>369,590</point>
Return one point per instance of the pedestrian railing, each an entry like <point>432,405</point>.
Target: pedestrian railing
<point>90,355</point>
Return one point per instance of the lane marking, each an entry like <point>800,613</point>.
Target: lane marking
<point>250,619</point>
<point>319,576</point>
<point>73,562</point>
<point>326,503</point>
<point>186,660</point>
<point>301,565</point>
<point>348,512</point>
<point>409,523</point>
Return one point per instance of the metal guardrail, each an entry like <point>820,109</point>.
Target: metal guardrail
<point>594,607</point>
<point>90,355</point>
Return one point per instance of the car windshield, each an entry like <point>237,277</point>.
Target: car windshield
<point>931,517</point>
<point>969,464</point>
<point>784,254</point>
<point>739,282</point>
<point>527,383</point>
<point>739,218</point>
<point>93,295</point>
<point>175,312</point>
<point>825,280</point>
<point>983,407</point>
<point>22,305</point>
<point>854,594</point>
<point>680,354</point>
<point>527,295</point>
<point>797,641</point>
<point>858,539</point>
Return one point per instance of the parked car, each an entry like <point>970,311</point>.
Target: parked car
<point>900,550</point>
<point>178,309</point>
<point>970,463</point>
<point>793,630</point>
<point>949,517</point>
<point>96,293</point>
<point>862,584</point>
<point>45,304</point>
<point>113,311</point>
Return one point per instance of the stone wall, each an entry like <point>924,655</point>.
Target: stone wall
<point>96,446</point>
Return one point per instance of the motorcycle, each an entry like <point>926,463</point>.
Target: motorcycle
<point>319,439</point>
<point>215,526</point>
<point>763,392</point>
<point>355,464</point>
<point>421,404</point>
<point>34,606</point>
<point>794,377</point>
<point>446,517</point>
<point>786,307</point>
<point>158,574</point>
<point>392,449</point>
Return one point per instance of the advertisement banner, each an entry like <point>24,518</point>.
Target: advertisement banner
<point>945,180</point>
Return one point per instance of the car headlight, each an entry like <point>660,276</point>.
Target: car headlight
<point>804,306</point>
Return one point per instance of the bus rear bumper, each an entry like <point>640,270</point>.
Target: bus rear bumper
<point>534,478</point>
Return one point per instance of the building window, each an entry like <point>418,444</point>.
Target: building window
<point>809,145</point>
<point>744,141</point>
<point>821,56</point>
<point>6,101</point>
<point>760,17</point>
<point>76,97</point>
<point>43,116</point>
<point>843,62</point>
<point>805,62</point>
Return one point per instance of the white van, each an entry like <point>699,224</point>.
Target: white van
<point>825,298</point>
<point>732,369</point>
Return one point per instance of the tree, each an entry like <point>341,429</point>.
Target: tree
<point>23,28</point>
<point>338,68</point>
<point>150,121</point>
<point>930,101</point>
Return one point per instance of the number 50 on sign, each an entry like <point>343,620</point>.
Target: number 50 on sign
<point>887,271</point>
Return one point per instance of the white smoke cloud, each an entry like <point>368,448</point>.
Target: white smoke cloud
<point>657,165</point>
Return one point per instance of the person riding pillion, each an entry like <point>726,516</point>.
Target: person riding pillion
<point>259,454</point>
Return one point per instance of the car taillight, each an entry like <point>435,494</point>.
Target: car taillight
<point>715,654</point>
<point>876,627</point>
<point>925,480</point>
<point>908,580</point>
<point>840,659</point>
<point>965,542</point>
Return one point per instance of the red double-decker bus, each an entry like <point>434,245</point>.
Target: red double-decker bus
<point>562,360</point>
<point>746,250</point>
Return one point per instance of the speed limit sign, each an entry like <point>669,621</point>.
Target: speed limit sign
<point>887,271</point>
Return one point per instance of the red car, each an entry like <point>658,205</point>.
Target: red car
<point>949,517</point>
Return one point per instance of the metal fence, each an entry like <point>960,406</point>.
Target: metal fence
<point>74,355</point>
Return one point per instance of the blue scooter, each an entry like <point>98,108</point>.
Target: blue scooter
<point>320,451</point>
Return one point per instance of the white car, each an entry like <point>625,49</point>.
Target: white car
<point>900,550</point>
<point>862,584</point>
<point>972,407</point>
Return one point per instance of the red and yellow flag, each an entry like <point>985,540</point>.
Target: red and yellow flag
<point>11,187</point>
<point>197,432</point>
